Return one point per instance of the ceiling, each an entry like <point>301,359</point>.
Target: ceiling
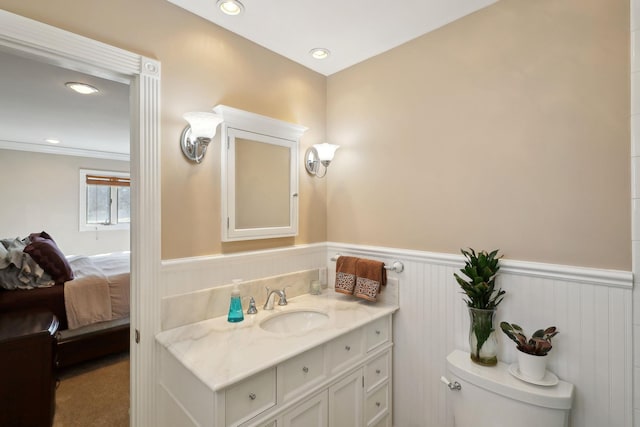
<point>36,105</point>
<point>352,30</point>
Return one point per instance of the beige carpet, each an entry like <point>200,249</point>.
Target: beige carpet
<point>94,394</point>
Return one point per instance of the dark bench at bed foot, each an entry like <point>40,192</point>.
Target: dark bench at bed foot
<point>27,380</point>
<point>92,341</point>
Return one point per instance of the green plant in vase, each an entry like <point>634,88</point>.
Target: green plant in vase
<point>482,300</point>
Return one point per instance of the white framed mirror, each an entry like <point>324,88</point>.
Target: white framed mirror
<point>259,168</point>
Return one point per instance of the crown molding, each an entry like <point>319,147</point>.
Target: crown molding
<point>63,151</point>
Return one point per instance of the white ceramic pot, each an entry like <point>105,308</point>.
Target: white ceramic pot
<point>532,366</point>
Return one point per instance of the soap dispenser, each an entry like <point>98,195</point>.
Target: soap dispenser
<point>235,306</point>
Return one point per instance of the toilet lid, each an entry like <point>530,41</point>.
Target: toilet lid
<point>497,379</point>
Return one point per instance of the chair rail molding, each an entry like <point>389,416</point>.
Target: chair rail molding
<point>594,276</point>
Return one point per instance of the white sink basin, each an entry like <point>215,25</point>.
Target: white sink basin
<point>294,321</point>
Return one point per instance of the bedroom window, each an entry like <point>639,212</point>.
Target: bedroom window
<point>104,200</point>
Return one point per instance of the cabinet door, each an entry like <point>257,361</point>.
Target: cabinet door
<point>310,413</point>
<point>346,401</point>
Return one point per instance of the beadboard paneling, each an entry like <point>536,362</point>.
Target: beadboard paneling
<point>592,309</point>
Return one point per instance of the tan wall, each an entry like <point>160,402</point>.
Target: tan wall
<point>506,129</point>
<point>202,66</point>
<point>41,192</point>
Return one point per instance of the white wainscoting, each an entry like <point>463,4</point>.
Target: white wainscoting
<point>592,309</point>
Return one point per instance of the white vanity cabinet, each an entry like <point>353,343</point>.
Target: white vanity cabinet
<point>344,382</point>
<point>348,381</point>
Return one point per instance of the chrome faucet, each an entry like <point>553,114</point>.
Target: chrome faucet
<point>268,305</point>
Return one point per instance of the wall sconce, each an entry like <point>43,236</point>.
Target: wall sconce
<point>319,154</point>
<point>197,136</point>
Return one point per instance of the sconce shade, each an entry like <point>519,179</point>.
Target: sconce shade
<point>317,155</point>
<point>325,151</point>
<point>196,137</point>
<point>203,125</point>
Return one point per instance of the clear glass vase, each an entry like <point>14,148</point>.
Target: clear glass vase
<point>482,337</point>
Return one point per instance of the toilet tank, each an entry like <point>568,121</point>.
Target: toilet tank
<point>492,397</point>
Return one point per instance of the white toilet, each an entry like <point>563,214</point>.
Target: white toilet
<point>492,397</point>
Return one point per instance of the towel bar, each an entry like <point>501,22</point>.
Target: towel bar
<point>396,266</point>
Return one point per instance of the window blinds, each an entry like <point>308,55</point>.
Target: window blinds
<point>116,181</point>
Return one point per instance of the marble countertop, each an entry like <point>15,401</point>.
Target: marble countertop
<point>220,353</point>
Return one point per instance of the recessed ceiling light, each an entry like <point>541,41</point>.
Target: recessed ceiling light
<point>52,141</point>
<point>82,88</point>
<point>319,53</point>
<point>230,7</point>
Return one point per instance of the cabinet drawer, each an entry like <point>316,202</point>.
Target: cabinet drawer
<point>376,403</point>
<point>250,397</point>
<point>382,422</point>
<point>377,333</point>
<point>300,373</point>
<point>377,371</point>
<point>345,350</point>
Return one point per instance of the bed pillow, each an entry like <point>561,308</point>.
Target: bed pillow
<point>46,253</point>
<point>43,234</point>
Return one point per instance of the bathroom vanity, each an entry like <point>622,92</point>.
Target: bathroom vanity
<point>322,360</point>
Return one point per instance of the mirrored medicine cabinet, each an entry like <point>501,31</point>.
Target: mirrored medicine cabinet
<point>259,175</point>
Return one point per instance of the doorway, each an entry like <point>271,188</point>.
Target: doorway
<point>51,45</point>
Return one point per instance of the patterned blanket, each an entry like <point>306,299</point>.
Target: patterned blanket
<point>17,269</point>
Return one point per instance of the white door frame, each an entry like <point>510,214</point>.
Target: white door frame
<point>55,46</point>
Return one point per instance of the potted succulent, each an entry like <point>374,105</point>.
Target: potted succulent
<point>482,300</point>
<point>532,354</point>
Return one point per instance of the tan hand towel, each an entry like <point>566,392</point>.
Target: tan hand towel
<point>346,274</point>
<point>370,277</point>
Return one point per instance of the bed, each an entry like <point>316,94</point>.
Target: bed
<point>88,294</point>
